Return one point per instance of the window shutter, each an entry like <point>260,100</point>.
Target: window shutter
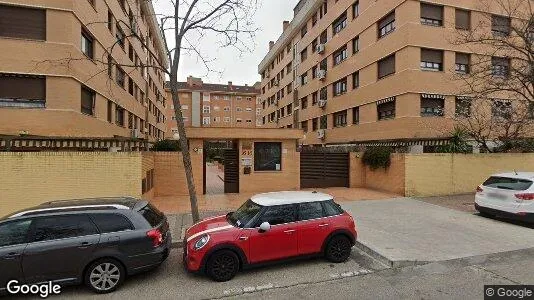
<point>500,24</point>
<point>463,20</point>
<point>22,87</point>
<point>386,66</point>
<point>22,22</point>
<point>462,58</point>
<point>433,12</point>
<point>387,19</point>
<point>433,56</point>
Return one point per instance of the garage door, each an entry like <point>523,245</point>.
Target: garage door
<point>321,170</point>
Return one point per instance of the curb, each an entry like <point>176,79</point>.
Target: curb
<point>175,245</point>
<point>386,261</point>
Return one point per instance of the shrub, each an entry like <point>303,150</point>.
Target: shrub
<point>377,157</point>
<point>166,146</point>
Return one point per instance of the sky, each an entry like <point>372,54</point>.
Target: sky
<point>242,69</point>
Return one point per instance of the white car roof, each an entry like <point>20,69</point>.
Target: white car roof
<point>292,197</point>
<point>518,175</point>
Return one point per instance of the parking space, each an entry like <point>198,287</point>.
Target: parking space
<point>170,281</point>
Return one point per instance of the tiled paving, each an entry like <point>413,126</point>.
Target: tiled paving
<point>214,180</point>
<point>226,202</point>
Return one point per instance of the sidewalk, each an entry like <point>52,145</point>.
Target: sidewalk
<point>178,224</point>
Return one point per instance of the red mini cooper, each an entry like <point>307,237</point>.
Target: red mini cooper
<point>266,228</point>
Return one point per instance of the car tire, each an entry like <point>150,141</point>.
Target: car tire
<point>104,275</point>
<point>222,265</point>
<point>338,249</point>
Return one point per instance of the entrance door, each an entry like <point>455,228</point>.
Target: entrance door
<point>231,171</point>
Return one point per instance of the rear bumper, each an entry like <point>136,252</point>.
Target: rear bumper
<point>153,259</point>
<point>527,217</point>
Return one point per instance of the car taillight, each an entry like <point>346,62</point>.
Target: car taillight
<point>156,236</point>
<point>527,196</point>
<point>479,189</point>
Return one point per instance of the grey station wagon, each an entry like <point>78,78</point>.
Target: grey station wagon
<point>93,241</point>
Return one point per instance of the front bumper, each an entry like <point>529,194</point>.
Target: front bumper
<point>192,260</point>
<point>527,217</point>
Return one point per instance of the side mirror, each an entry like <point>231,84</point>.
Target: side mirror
<point>265,226</point>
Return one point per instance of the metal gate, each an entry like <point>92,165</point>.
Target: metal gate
<point>231,171</point>
<point>322,170</point>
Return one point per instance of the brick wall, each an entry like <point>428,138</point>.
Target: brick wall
<point>390,180</point>
<point>446,174</point>
<point>32,178</point>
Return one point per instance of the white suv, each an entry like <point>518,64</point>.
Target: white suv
<point>507,195</point>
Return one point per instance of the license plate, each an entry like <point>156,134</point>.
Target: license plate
<point>497,196</point>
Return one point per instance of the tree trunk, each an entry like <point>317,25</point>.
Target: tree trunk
<point>184,145</point>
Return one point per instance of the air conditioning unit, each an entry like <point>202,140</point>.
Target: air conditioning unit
<point>321,74</point>
<point>322,103</point>
<point>276,83</point>
<point>321,134</point>
<point>135,133</point>
<point>320,48</point>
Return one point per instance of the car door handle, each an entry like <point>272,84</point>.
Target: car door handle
<point>290,231</point>
<point>243,238</point>
<point>85,245</point>
<point>324,225</point>
<point>12,255</point>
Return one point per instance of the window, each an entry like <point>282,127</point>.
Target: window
<point>131,87</point>
<point>304,102</point>
<point>323,38</point>
<point>226,119</point>
<point>340,55</point>
<point>331,208</point>
<point>510,184</point>
<point>119,34</point>
<point>206,120</point>
<point>304,54</point>
<point>314,72</point>
<point>323,122</point>
<point>432,107</point>
<point>119,116</point>
<point>276,215</point>
<point>463,107</point>
<point>304,30</point>
<point>386,66</point>
<point>227,108</point>
<point>386,111</point>
<point>289,109</point>
<point>304,78</point>
<point>463,19</point>
<point>238,109</point>
<point>323,65</point>
<point>314,19</point>
<point>386,25</point>
<point>340,119</point>
<point>340,23</point>
<point>500,25</point>
<point>310,211</point>
<point>355,80</point>
<point>62,227</point>
<point>152,215</point>
<point>87,101</point>
<point>315,97</point>
<point>431,60</point>
<point>107,223</point>
<point>501,109</point>
<point>355,9</point>
<point>340,87</point>
<point>14,233</point>
<point>110,111</point>
<point>356,115</point>
<point>22,91</point>
<point>206,109</point>
<point>500,66</point>
<point>462,63</point>
<point>304,126</point>
<point>110,21</point>
<point>110,66</point>
<point>267,156</point>
<point>315,124</point>
<point>323,94</point>
<point>120,77</point>
<point>356,45</point>
<point>21,22</point>
<point>431,14</point>
<point>87,44</point>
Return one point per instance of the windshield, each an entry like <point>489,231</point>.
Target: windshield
<point>244,214</point>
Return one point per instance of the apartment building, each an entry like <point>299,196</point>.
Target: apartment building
<point>371,72</point>
<point>214,105</point>
<point>67,69</point>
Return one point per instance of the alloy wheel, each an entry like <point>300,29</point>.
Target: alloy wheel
<point>105,276</point>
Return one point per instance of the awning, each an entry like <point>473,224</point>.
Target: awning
<point>433,96</point>
<point>386,100</point>
<point>397,143</point>
<point>467,98</point>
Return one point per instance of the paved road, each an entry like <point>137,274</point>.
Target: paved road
<point>172,282</point>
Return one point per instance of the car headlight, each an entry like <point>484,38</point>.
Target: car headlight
<point>202,242</point>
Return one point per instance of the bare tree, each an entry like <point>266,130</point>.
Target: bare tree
<point>499,79</point>
<point>227,23</point>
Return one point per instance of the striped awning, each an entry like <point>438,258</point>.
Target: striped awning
<point>386,100</point>
<point>433,96</point>
<point>397,143</point>
<point>464,98</point>
<point>22,143</point>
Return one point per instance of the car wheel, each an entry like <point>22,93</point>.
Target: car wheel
<point>338,249</point>
<point>222,265</point>
<point>104,275</point>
